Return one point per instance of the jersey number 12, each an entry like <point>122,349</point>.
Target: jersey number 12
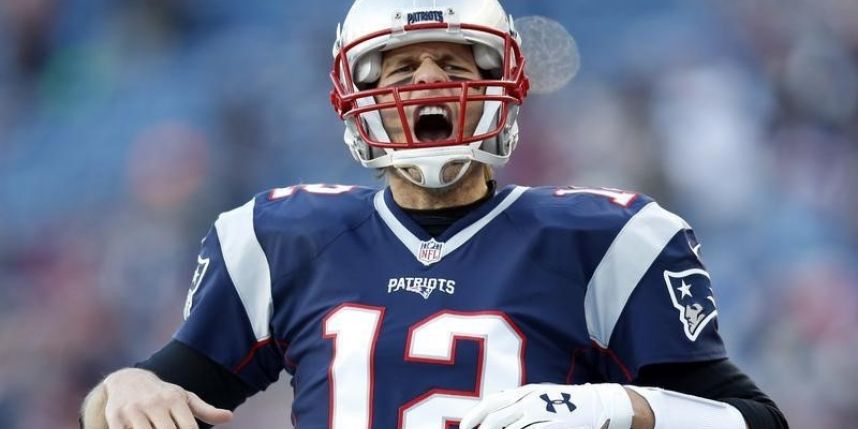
<point>354,330</point>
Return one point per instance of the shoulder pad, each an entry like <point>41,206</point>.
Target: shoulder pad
<point>583,208</point>
<point>289,226</point>
<point>314,207</point>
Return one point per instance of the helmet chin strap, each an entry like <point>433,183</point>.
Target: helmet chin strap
<point>430,162</point>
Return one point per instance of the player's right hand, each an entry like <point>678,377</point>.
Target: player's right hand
<point>544,406</point>
<point>138,399</point>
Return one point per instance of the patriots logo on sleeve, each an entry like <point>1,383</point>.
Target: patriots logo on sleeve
<point>199,272</point>
<point>692,297</point>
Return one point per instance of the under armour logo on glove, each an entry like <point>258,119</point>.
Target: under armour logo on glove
<point>541,406</point>
<point>550,403</point>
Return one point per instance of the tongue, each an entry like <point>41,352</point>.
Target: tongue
<point>432,128</point>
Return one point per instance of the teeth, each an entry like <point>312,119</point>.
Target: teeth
<point>432,110</point>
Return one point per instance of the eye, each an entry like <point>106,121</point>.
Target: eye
<point>403,69</point>
<point>454,68</point>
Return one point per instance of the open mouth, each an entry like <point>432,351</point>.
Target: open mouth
<point>432,123</point>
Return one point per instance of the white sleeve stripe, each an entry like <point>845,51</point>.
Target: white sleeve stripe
<point>628,258</point>
<point>247,266</point>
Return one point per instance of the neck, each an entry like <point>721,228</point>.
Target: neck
<point>467,190</point>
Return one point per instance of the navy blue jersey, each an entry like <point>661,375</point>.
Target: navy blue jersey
<point>383,326</point>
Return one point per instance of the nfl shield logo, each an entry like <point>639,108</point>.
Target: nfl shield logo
<point>430,252</point>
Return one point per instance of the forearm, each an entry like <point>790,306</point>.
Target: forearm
<point>720,381</point>
<point>643,417</point>
<point>674,410</point>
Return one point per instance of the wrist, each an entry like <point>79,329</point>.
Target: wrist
<point>619,408</point>
<point>643,417</point>
<point>123,375</point>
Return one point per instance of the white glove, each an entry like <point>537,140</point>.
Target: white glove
<point>553,406</point>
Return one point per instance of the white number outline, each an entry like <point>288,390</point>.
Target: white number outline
<point>617,196</point>
<point>317,189</point>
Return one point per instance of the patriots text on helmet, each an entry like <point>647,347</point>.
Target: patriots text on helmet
<point>423,16</point>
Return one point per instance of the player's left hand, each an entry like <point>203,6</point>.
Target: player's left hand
<point>553,406</point>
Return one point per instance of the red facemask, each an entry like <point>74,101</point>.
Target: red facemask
<point>510,88</point>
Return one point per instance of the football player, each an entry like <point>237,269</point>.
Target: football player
<point>443,299</point>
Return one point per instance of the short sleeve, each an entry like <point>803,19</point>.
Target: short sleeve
<point>228,308</point>
<point>651,299</point>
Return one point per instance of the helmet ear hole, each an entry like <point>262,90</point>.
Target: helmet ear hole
<point>368,69</point>
<point>486,57</point>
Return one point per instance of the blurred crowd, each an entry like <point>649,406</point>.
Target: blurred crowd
<point>127,125</point>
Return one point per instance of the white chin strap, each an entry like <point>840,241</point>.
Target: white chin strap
<point>430,162</point>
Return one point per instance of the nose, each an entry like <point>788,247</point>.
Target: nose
<point>430,72</point>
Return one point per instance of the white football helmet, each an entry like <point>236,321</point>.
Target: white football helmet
<point>374,26</point>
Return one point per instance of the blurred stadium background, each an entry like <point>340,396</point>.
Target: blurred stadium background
<point>127,125</point>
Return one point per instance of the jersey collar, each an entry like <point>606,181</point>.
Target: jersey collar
<point>428,250</point>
